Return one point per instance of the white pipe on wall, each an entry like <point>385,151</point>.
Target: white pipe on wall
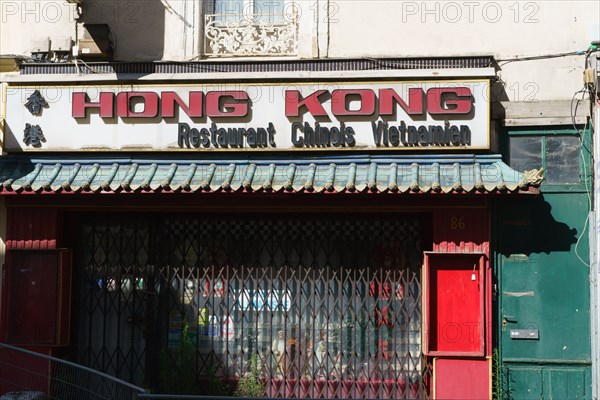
<point>595,265</point>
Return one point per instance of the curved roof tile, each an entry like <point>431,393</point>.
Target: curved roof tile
<point>442,174</point>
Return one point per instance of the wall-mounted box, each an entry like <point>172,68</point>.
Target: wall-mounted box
<point>61,47</point>
<point>40,48</point>
<point>95,43</point>
<point>61,44</point>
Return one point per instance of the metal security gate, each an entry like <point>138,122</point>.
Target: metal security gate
<point>317,307</point>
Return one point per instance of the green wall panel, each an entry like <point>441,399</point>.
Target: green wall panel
<point>552,383</point>
<point>566,383</point>
<point>544,285</point>
<point>524,384</point>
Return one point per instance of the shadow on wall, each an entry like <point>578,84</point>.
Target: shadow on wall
<point>528,226</point>
<point>138,26</point>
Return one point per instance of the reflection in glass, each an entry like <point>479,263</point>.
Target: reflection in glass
<point>328,307</point>
<point>562,159</point>
<point>525,152</point>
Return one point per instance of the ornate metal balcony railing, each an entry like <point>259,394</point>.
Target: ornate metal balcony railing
<point>231,35</point>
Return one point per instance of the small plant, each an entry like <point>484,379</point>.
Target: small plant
<point>215,386</point>
<point>500,379</point>
<point>496,376</point>
<point>250,384</point>
<point>177,366</point>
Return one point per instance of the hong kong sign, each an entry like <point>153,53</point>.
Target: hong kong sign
<point>430,115</point>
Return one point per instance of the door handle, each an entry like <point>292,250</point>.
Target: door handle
<point>508,318</point>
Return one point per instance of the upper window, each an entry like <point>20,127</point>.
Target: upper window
<point>251,28</point>
<point>558,154</point>
<point>261,10</point>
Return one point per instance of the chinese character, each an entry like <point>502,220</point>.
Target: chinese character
<point>35,102</point>
<point>33,135</point>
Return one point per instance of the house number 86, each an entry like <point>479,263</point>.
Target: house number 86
<point>457,223</point>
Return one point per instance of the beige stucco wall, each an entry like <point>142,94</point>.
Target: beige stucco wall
<point>452,28</point>
<point>448,28</point>
<point>24,21</point>
<point>149,30</point>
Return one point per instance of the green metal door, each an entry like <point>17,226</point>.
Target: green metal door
<point>543,297</point>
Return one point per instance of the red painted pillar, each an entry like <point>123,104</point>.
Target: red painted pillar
<point>27,228</point>
<point>462,373</point>
<point>32,228</point>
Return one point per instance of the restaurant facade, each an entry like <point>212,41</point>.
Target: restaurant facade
<point>333,236</point>
<point>326,200</point>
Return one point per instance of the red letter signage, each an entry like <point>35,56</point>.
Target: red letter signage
<point>150,101</point>
<point>388,98</point>
<point>339,102</point>
<point>168,100</point>
<point>449,100</point>
<point>81,103</point>
<point>312,103</point>
<point>214,108</point>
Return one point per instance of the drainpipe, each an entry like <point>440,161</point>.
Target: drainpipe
<point>594,254</point>
<point>594,290</point>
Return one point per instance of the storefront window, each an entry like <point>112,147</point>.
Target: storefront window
<point>327,307</point>
<point>559,155</point>
<point>525,152</point>
<point>562,159</point>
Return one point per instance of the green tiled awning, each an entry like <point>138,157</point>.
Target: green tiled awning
<point>433,174</point>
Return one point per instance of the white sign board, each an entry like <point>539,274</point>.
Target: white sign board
<point>428,115</point>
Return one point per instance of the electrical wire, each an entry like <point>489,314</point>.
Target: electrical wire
<point>89,67</point>
<point>542,57</point>
<point>573,112</point>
